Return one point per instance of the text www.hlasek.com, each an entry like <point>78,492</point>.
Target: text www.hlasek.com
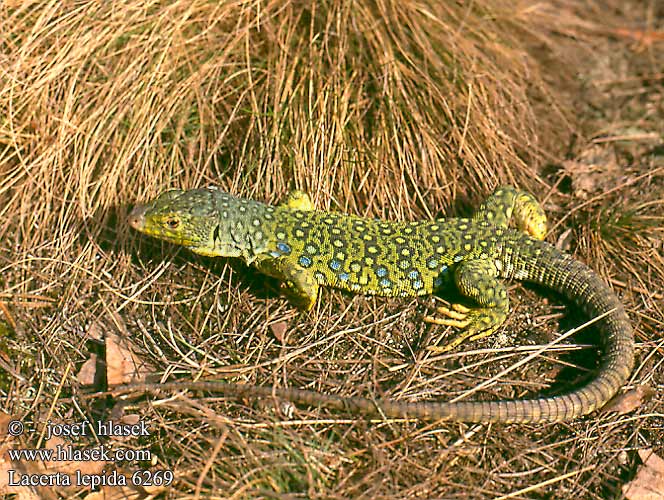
<point>64,453</point>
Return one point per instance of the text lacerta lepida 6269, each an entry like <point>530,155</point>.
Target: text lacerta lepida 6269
<point>308,249</point>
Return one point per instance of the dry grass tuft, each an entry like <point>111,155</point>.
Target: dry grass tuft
<point>400,110</point>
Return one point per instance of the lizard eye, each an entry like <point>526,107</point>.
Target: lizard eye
<point>173,222</point>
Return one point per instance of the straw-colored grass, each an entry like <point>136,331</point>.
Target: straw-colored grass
<point>401,110</point>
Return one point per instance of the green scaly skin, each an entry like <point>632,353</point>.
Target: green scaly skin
<point>307,249</point>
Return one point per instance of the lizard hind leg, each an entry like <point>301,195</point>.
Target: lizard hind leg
<point>507,203</point>
<point>475,279</point>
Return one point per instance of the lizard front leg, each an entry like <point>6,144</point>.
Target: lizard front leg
<point>299,284</point>
<point>298,200</point>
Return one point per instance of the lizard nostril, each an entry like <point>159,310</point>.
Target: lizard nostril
<point>136,219</point>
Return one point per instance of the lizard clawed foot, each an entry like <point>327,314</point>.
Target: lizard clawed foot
<point>474,324</point>
<point>458,315</point>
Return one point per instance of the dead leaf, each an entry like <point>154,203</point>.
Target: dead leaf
<point>131,419</point>
<point>630,400</point>
<point>278,329</point>
<point>123,365</point>
<point>648,484</point>
<point>86,375</point>
<point>5,418</point>
<point>96,331</point>
<point>565,240</point>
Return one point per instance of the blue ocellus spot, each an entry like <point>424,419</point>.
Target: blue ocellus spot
<point>304,261</point>
<point>283,247</point>
<point>335,264</point>
<point>432,263</point>
<point>418,285</point>
<point>385,283</point>
<point>381,271</point>
<point>344,276</point>
<point>413,275</point>
<point>274,253</point>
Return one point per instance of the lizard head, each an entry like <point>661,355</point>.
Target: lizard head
<point>207,221</point>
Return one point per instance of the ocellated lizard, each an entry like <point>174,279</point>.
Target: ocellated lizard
<point>307,248</point>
